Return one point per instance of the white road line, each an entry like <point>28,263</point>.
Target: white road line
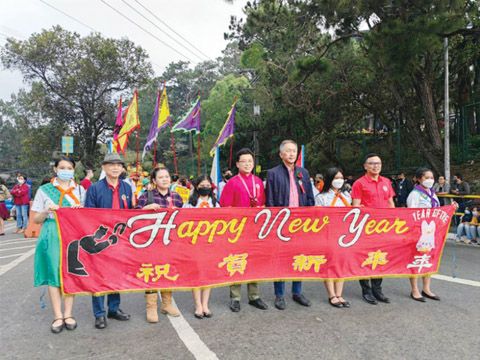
<point>457,280</point>
<point>8,242</point>
<point>9,256</point>
<point>190,338</point>
<point>18,248</point>
<point>9,266</point>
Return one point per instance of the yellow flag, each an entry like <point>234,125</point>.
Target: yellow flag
<point>164,114</point>
<point>131,123</point>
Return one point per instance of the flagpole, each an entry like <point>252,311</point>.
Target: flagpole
<point>198,155</point>
<point>155,154</point>
<point>138,149</point>
<point>172,138</point>
<point>231,154</point>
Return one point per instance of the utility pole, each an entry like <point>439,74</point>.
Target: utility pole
<point>446,114</point>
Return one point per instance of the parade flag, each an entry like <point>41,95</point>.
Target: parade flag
<point>191,121</point>
<point>216,174</point>
<point>118,126</point>
<point>164,115</point>
<point>301,157</point>
<point>131,123</point>
<point>106,250</point>
<point>153,133</point>
<point>227,130</point>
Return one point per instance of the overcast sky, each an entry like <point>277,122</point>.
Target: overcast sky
<point>200,22</point>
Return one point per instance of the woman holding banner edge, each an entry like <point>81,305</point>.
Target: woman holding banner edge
<point>61,192</point>
<point>332,195</point>
<point>423,196</point>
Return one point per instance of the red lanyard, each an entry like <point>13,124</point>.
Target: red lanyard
<point>246,187</point>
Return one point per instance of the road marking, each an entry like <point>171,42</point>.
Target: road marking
<point>18,248</point>
<point>9,256</point>
<point>190,338</point>
<point>9,266</point>
<point>457,280</point>
<point>8,242</point>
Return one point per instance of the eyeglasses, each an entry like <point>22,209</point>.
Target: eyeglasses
<point>374,163</point>
<point>246,162</point>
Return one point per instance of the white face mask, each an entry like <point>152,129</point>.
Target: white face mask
<point>338,183</point>
<point>428,183</point>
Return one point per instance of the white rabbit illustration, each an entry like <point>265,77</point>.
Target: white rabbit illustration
<point>427,239</point>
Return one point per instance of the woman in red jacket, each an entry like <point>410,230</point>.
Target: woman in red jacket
<point>21,199</point>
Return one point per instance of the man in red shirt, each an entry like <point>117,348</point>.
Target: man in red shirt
<point>375,191</point>
<point>244,190</point>
<point>87,180</point>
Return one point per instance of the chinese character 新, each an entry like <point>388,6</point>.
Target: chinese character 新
<point>235,263</point>
<point>305,262</point>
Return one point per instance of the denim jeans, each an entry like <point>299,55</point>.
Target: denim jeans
<point>22,216</point>
<point>98,303</point>
<point>279,287</point>
<point>464,228</point>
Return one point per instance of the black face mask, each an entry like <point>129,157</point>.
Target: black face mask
<point>204,191</point>
<point>228,177</point>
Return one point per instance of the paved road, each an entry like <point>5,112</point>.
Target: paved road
<point>449,329</point>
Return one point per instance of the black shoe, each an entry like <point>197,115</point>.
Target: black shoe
<point>119,315</point>
<point>369,298</point>
<point>301,299</point>
<point>70,326</point>
<point>101,322</point>
<point>337,304</point>
<point>207,315</point>
<point>432,297</point>
<point>380,297</point>
<point>421,298</point>
<point>280,303</point>
<point>198,316</point>
<point>345,304</point>
<point>259,304</point>
<point>59,328</point>
<point>235,305</point>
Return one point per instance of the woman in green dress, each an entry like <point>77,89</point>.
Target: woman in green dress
<point>62,191</point>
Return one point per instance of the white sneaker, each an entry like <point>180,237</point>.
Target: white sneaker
<point>466,241</point>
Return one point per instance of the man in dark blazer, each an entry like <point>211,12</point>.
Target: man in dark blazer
<point>289,186</point>
<point>109,193</point>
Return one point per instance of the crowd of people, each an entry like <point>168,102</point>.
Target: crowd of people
<point>286,185</point>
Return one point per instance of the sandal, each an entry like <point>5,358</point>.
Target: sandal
<point>345,304</point>
<point>337,305</point>
<point>70,326</point>
<point>198,316</point>
<point>59,328</point>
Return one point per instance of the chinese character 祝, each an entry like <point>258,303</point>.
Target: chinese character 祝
<point>147,271</point>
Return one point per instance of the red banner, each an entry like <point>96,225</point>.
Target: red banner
<point>128,250</point>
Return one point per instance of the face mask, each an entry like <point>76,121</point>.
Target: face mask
<point>20,181</point>
<point>428,183</point>
<point>475,213</point>
<point>65,175</point>
<point>338,183</point>
<point>204,191</point>
<point>228,177</point>
<point>467,211</point>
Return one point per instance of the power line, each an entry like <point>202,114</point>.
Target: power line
<point>145,30</point>
<point>67,15</point>
<point>80,22</point>
<point>170,28</point>
<point>159,28</point>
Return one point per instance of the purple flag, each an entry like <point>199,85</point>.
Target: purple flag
<point>227,130</point>
<point>152,134</point>
<point>191,121</point>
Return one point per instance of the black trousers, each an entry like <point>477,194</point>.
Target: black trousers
<point>376,285</point>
